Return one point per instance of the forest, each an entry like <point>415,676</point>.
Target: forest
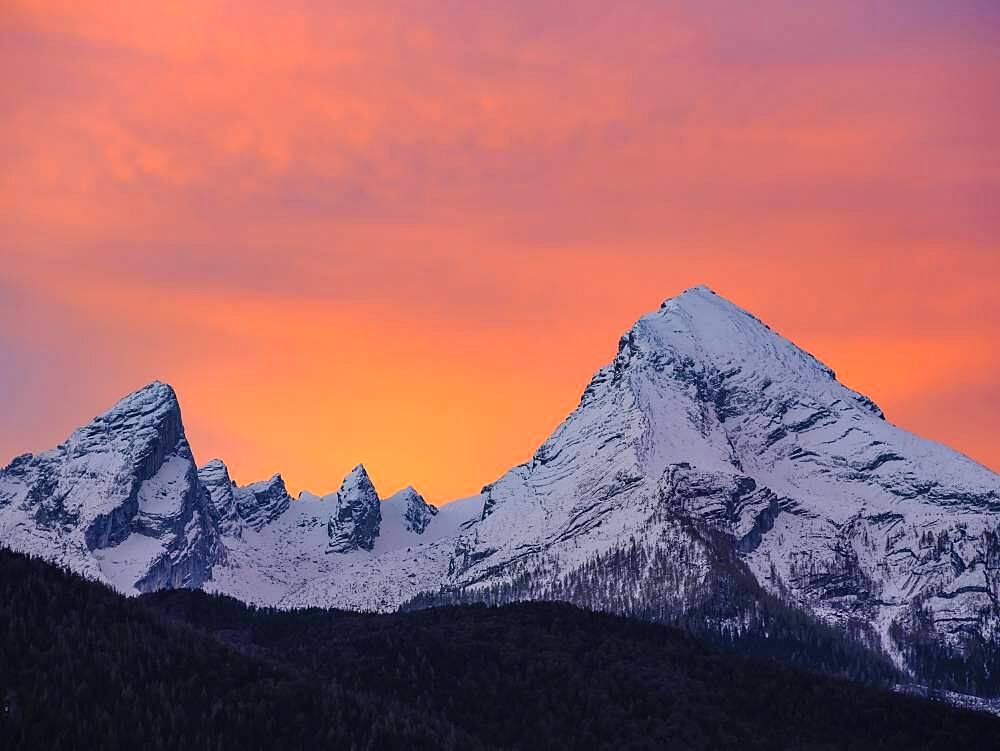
<point>82,667</point>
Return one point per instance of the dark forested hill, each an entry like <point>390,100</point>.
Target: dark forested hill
<point>82,667</point>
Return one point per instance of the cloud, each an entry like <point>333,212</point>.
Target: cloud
<point>468,203</point>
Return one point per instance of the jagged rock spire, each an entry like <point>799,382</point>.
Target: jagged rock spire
<point>356,516</point>
<point>221,497</point>
<point>260,503</point>
<point>417,513</point>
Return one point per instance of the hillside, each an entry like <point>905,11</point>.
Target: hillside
<point>84,667</point>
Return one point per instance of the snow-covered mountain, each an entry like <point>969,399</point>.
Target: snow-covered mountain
<point>709,422</point>
<point>710,458</point>
<point>119,500</point>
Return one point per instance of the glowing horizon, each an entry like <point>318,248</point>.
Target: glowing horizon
<point>406,234</point>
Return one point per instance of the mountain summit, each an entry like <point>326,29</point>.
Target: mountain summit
<point>712,468</point>
<point>119,499</point>
<point>354,525</point>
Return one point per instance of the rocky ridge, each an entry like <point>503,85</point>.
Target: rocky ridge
<point>711,464</point>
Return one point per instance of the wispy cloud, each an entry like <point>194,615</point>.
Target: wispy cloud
<point>407,232</point>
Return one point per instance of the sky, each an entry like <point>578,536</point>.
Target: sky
<point>406,234</point>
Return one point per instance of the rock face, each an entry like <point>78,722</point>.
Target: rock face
<point>356,514</point>
<point>417,513</point>
<point>711,462</point>
<point>120,499</point>
<point>221,490</point>
<point>235,508</point>
<point>260,503</point>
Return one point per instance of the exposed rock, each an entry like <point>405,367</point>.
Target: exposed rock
<point>417,513</point>
<point>356,514</point>
<point>221,491</point>
<point>260,503</point>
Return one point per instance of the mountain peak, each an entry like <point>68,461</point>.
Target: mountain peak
<point>260,503</point>
<point>700,290</point>
<point>144,424</point>
<point>703,301</point>
<point>701,331</point>
<point>215,473</point>
<point>215,466</point>
<point>137,419</point>
<point>152,395</point>
<point>274,481</point>
<point>124,489</point>
<point>356,478</point>
<point>356,518</point>
<point>702,327</point>
<point>214,477</point>
<point>416,512</point>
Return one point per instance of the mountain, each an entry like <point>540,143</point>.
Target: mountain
<point>119,500</point>
<point>713,475</point>
<point>184,669</point>
<point>711,438</point>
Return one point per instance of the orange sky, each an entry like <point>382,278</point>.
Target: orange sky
<point>407,233</point>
